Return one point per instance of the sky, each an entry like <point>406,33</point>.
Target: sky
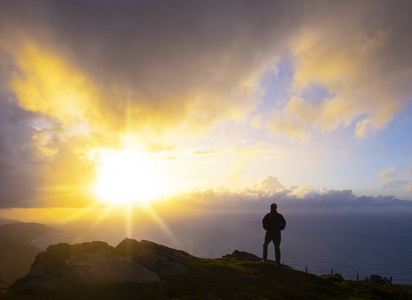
<point>209,105</point>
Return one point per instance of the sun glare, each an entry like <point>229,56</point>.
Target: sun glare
<point>129,177</point>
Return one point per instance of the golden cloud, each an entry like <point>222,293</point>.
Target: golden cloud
<point>51,86</point>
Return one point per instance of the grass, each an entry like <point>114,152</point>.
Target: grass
<point>226,278</point>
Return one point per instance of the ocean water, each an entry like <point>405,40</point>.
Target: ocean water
<point>348,244</point>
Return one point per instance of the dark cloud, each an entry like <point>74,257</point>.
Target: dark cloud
<point>18,167</point>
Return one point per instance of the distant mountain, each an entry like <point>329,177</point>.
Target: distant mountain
<point>8,221</point>
<point>15,258</point>
<point>25,232</point>
<point>146,270</point>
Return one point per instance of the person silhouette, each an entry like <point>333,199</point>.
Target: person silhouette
<point>273,223</point>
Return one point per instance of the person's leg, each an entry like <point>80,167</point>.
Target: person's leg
<point>276,242</point>
<point>265,246</point>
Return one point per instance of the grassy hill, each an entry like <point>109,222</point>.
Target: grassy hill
<point>146,270</point>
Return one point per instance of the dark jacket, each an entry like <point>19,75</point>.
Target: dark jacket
<point>274,222</point>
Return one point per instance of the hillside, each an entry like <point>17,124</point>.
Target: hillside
<point>16,252</point>
<point>25,232</point>
<point>8,221</point>
<point>146,270</point>
<point>15,258</point>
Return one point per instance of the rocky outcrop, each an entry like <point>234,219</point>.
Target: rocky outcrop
<point>242,255</point>
<point>335,277</point>
<point>377,279</point>
<point>65,265</point>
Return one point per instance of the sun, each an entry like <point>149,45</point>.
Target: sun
<point>129,177</point>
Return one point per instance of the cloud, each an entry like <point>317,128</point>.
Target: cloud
<point>209,152</point>
<point>395,183</point>
<point>301,199</point>
<point>271,183</point>
<point>17,159</point>
<point>285,123</point>
<point>393,177</point>
<point>360,56</point>
<point>302,191</point>
<point>167,65</point>
<point>388,174</point>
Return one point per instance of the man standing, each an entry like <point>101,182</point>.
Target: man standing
<point>273,223</point>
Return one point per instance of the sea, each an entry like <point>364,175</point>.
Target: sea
<point>355,246</point>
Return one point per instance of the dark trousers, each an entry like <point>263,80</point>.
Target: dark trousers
<point>275,238</point>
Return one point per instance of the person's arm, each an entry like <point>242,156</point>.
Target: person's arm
<point>265,223</point>
<point>283,224</point>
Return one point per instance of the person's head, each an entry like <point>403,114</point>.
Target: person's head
<point>273,207</point>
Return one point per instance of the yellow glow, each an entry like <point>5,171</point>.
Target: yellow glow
<point>50,85</point>
<point>129,177</point>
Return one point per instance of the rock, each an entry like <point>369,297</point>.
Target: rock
<point>96,246</point>
<point>128,247</point>
<point>59,252</point>
<point>242,255</point>
<point>335,278</point>
<point>162,264</point>
<point>64,265</point>
<point>148,245</point>
<point>118,269</point>
<point>375,279</point>
<point>386,281</point>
